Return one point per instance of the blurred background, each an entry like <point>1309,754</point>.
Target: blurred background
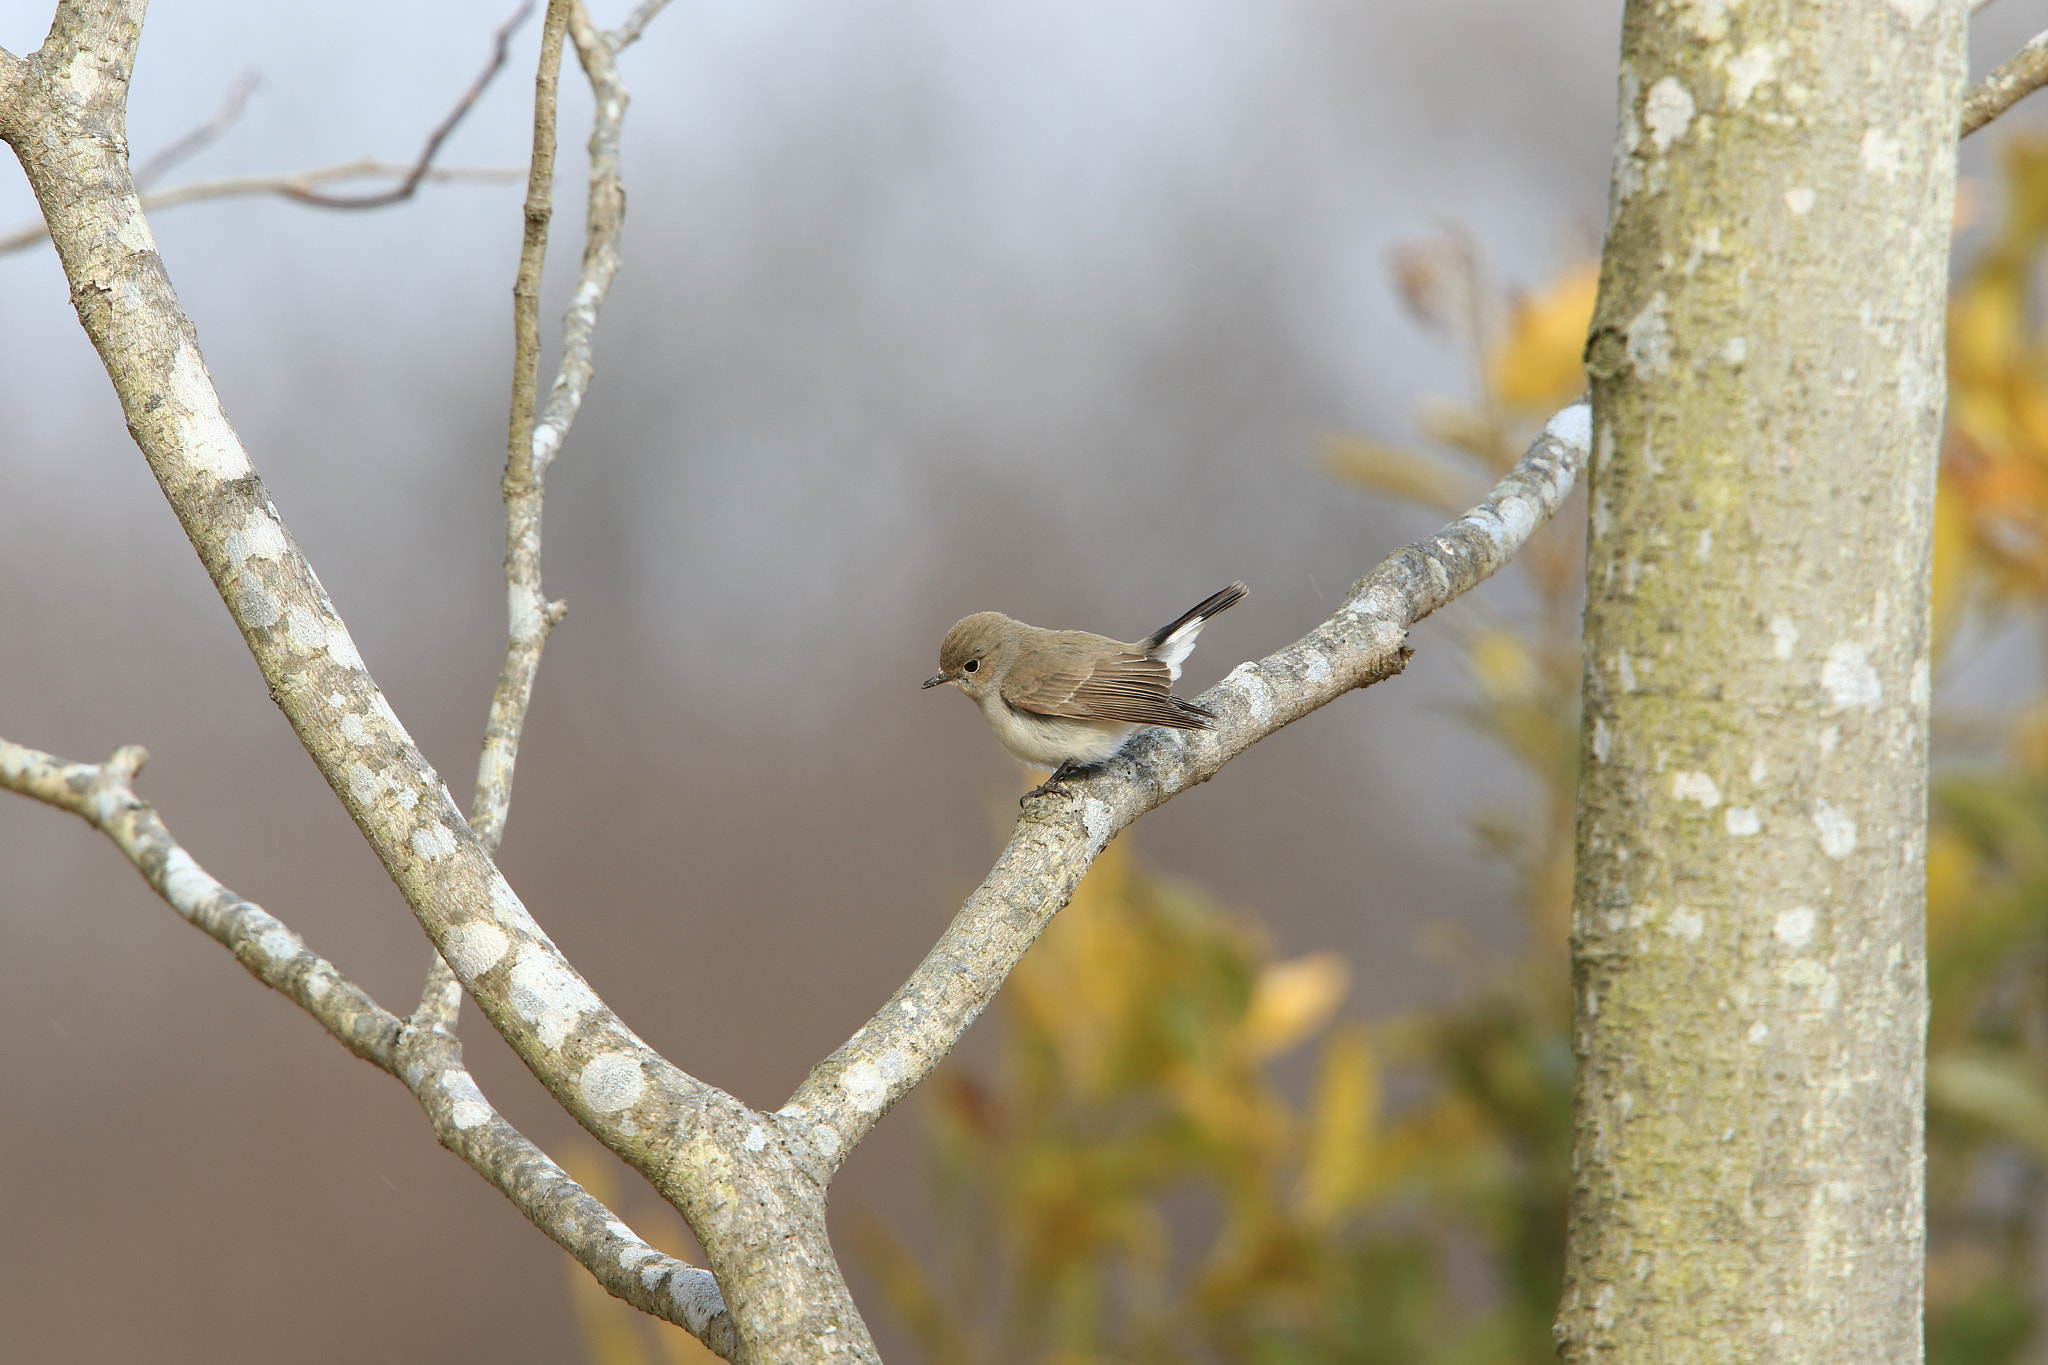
<point>1076,311</point>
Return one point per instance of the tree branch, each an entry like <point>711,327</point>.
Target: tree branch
<point>2022,74</point>
<point>427,1061</point>
<point>532,616</point>
<point>287,186</point>
<point>1056,841</point>
<point>500,46</point>
<point>198,139</point>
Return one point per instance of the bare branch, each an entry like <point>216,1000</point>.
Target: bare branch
<point>1056,840</point>
<point>2022,74</point>
<point>288,186</point>
<point>203,136</point>
<point>427,1061</point>
<point>628,33</point>
<point>533,617</point>
<point>500,46</point>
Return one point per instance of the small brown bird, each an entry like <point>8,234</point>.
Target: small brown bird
<point>1066,699</point>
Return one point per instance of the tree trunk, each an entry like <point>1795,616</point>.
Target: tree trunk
<point>1749,983</point>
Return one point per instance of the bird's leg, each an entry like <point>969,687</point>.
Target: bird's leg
<point>1056,784</point>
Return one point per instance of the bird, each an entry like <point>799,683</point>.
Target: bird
<point>1068,700</point>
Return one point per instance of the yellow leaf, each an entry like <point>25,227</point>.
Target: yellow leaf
<point>1400,473</point>
<point>1503,666</point>
<point>1293,999</point>
<point>1951,559</point>
<point>1538,364</point>
<point>1343,1127</point>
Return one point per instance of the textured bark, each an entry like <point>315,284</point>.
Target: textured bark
<point>1749,981</point>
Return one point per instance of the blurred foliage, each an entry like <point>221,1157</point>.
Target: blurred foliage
<point>1987,852</point>
<point>1135,1182</point>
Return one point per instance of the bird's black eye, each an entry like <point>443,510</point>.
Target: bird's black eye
<point>972,665</point>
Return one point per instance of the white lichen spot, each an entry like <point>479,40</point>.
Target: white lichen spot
<point>1625,671</point>
<point>1921,689</point>
<point>255,603</point>
<point>278,945</point>
<point>1759,1031</point>
<point>1880,153</point>
<point>1784,635</point>
<point>316,985</point>
<point>432,841</point>
<point>1704,548</point>
<point>1800,199</point>
<point>1317,669</point>
<point>1747,71</point>
<point>1837,829</point>
<point>1573,427</point>
<point>1667,112</point>
<point>258,537</point>
<point>476,947</point>
<point>337,701</point>
<point>466,1115</point>
<point>865,1085</point>
<point>1649,339</point>
<point>1695,787</point>
<point>185,882</point>
<point>756,1138</point>
<point>1743,821</point>
<point>342,650</point>
<point>1794,927</point>
<point>1736,351</point>
<point>353,730</point>
<point>204,437</point>
<point>1602,740</point>
<point>1098,819</point>
<point>1706,18</point>
<point>307,631</point>
<point>1252,687</point>
<point>827,1139</point>
<point>1830,739</point>
<point>1848,677</point>
<point>505,904</point>
<point>467,1107</point>
<point>547,995</point>
<point>1686,922</point>
<point>611,1081</point>
<point>1758,771</point>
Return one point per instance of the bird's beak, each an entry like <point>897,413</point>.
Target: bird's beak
<point>934,680</point>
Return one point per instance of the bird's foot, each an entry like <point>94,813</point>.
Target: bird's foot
<point>1055,785</point>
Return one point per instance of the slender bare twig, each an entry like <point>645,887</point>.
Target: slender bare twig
<point>532,616</point>
<point>1056,841</point>
<point>1976,5</point>
<point>427,1061</point>
<point>501,45</point>
<point>628,33</point>
<point>201,137</point>
<point>303,187</point>
<point>285,185</point>
<point>2022,74</point>
<point>529,452</point>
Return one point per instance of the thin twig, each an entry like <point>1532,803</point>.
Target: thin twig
<point>201,137</point>
<point>2022,74</point>
<point>532,615</point>
<point>286,186</point>
<point>427,1061</point>
<point>628,33</point>
<point>500,46</point>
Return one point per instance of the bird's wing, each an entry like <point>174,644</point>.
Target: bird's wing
<point>1122,687</point>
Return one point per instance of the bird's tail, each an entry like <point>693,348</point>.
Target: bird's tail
<point>1172,644</point>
